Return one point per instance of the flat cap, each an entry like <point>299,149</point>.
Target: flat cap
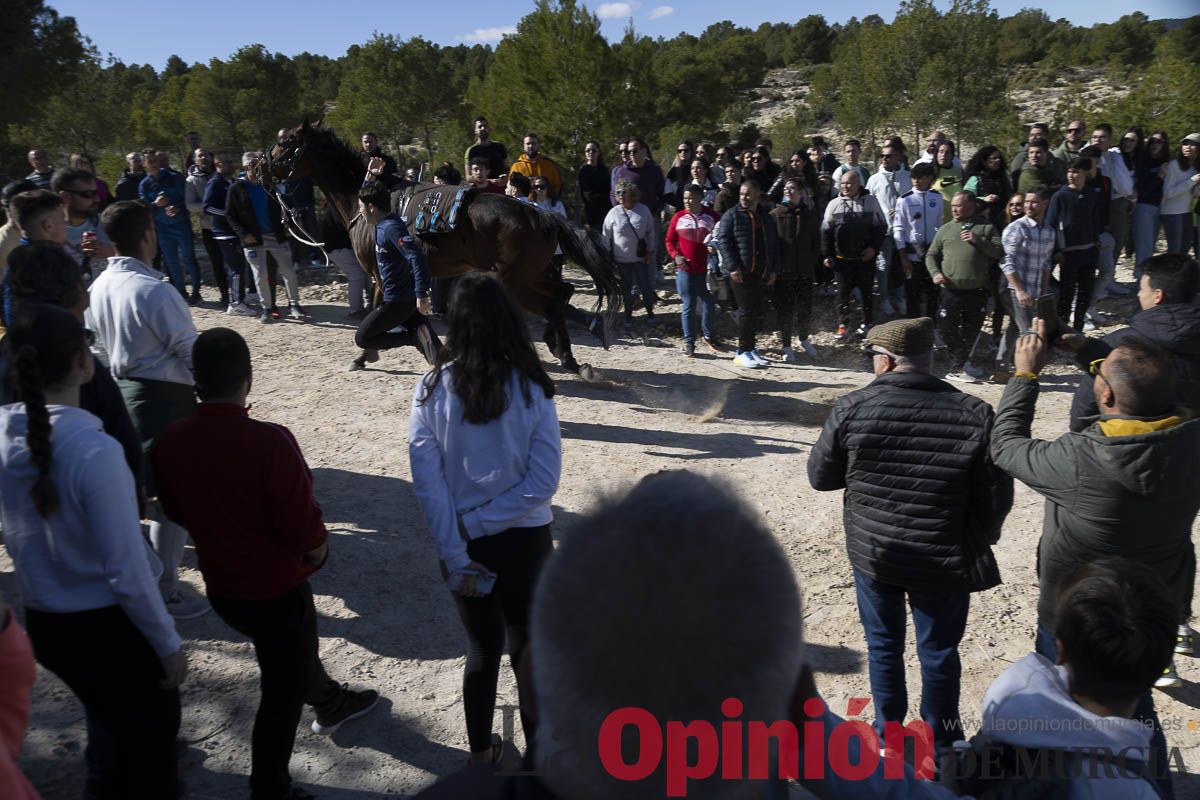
<point>903,337</point>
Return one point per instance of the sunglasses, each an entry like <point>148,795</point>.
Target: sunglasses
<point>541,186</point>
<point>87,194</point>
<point>683,150</point>
<point>1093,367</point>
<point>1074,130</point>
<point>757,158</point>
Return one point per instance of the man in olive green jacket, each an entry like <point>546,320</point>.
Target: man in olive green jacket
<point>1128,485</point>
<point>959,259</point>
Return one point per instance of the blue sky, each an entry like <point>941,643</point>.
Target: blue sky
<point>148,31</point>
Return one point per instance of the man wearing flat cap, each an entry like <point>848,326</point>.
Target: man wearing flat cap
<point>922,505</point>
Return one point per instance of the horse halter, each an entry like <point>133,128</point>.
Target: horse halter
<point>287,160</point>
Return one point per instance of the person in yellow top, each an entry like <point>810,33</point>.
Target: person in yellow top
<point>948,180</point>
<point>533,164</point>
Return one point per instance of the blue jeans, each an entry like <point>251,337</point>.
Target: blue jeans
<point>1046,648</point>
<point>939,619</point>
<point>1178,230</point>
<point>642,274</point>
<point>693,289</point>
<point>175,241</point>
<point>1145,233</point>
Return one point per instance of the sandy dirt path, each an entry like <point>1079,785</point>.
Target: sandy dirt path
<point>387,621</point>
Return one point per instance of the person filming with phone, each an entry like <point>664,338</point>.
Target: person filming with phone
<point>485,451</point>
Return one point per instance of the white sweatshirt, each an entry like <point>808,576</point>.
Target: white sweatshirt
<point>492,477</point>
<point>142,323</point>
<point>90,553</point>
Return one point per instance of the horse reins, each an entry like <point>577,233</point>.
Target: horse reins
<point>291,222</point>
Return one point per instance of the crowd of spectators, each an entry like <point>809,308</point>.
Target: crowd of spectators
<point>117,411</point>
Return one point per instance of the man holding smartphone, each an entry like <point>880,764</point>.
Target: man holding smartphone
<point>245,493</point>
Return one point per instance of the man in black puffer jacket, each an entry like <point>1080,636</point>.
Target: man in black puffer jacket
<point>1169,318</point>
<point>923,504</point>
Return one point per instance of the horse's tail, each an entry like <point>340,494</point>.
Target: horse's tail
<point>587,250</point>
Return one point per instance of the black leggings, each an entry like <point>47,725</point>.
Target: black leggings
<point>372,333</point>
<point>516,556</point>
<point>132,722</point>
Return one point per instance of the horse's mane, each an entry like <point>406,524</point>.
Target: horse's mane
<point>347,167</point>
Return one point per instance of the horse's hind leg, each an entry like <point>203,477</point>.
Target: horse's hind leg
<point>556,336</point>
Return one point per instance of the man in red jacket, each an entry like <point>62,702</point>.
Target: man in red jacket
<point>256,550</point>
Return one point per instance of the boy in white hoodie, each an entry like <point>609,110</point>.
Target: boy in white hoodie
<point>1114,634</point>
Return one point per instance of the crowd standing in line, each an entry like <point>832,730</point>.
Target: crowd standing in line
<point>102,429</point>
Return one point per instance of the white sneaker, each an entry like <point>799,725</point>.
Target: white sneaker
<point>746,360</point>
<point>862,330</point>
<point>789,356</point>
<point>1169,679</point>
<point>1088,325</point>
<point>809,348</point>
<point>186,606</point>
<point>240,309</point>
<point>757,356</point>
<point>1185,642</point>
<point>962,377</point>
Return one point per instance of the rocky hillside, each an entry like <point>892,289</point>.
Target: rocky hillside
<point>785,89</point>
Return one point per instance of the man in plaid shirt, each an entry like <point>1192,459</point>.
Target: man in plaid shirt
<point>1027,264</point>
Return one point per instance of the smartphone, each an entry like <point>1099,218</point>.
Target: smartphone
<point>1046,309</point>
<point>484,582</point>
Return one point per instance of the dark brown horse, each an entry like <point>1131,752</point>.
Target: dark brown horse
<point>493,233</point>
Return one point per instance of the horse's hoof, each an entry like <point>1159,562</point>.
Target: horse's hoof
<point>356,365</point>
<point>590,374</point>
<point>371,355</point>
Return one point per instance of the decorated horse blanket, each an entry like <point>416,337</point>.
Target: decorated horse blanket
<point>430,208</point>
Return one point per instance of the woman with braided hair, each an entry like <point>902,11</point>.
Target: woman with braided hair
<point>93,609</point>
<point>42,272</point>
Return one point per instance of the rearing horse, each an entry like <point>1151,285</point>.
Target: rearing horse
<point>493,233</point>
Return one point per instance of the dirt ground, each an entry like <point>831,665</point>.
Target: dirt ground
<point>387,621</point>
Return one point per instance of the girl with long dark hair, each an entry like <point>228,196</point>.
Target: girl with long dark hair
<point>93,608</point>
<point>485,454</point>
<point>987,178</point>
<point>799,167</point>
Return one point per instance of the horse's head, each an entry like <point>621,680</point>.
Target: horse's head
<point>286,159</point>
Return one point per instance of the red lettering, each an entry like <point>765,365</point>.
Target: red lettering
<point>759,749</point>
<point>650,744</point>
<point>839,750</point>
<point>731,740</point>
<point>921,733</point>
<point>814,739</point>
<point>679,771</point>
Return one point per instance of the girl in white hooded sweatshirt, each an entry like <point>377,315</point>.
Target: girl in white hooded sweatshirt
<point>93,610</point>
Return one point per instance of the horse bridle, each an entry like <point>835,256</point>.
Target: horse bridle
<point>290,220</point>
